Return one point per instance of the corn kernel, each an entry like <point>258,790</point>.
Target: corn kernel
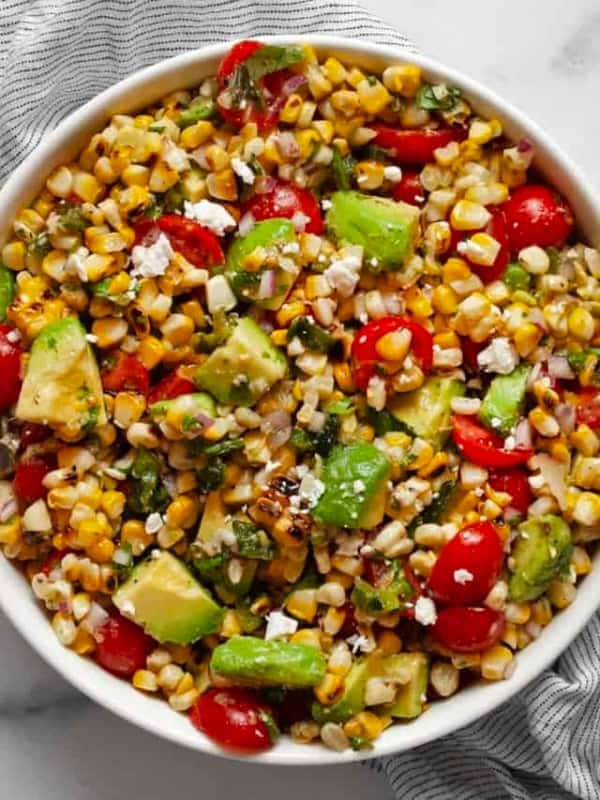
<point>182,512</point>
<point>302,604</point>
<point>330,689</point>
<point>496,662</point>
<point>467,216</point>
<point>373,95</point>
<point>150,352</point>
<point>403,79</point>
<point>527,338</point>
<point>581,324</point>
<point>195,135</point>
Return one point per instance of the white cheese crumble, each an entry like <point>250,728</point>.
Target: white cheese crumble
<point>376,393</point>
<point>500,356</point>
<point>174,157</point>
<point>91,338</point>
<point>358,486</point>
<point>425,612</point>
<point>211,215</point>
<point>152,261</point>
<point>311,489</point>
<point>75,264</point>
<point>13,336</point>
<point>326,204</point>
<point>243,171</point>
<point>463,576</point>
<point>360,643</point>
<point>279,624</point>
<point>342,276</point>
<point>219,295</point>
<point>154,523</point>
<point>392,174</point>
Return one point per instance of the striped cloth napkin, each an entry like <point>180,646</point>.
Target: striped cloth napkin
<point>56,54</point>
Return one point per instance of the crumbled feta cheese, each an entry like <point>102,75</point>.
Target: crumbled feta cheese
<point>152,261</point>
<point>13,336</point>
<point>425,612</point>
<point>463,576</point>
<point>358,486</point>
<point>211,215</point>
<point>376,393</point>
<point>279,624</point>
<point>219,295</point>
<point>290,247</point>
<point>500,356</point>
<point>75,263</point>
<point>91,338</point>
<point>311,489</point>
<point>392,174</point>
<point>174,157</point>
<point>127,608</point>
<point>326,204</point>
<point>243,171</point>
<point>343,276</point>
<point>360,643</point>
<point>154,523</point>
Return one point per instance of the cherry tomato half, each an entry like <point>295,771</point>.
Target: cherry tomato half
<point>537,215</point>
<point>233,718</point>
<point>197,244</point>
<point>468,630</point>
<point>414,146</point>
<point>410,189</point>
<point>122,646</point>
<point>588,408</point>
<point>122,372</point>
<point>172,385</point>
<point>484,447</point>
<point>10,368</point>
<point>513,482</point>
<point>470,351</point>
<point>467,566</point>
<point>240,52</point>
<point>285,200</point>
<point>27,483</point>
<point>364,352</point>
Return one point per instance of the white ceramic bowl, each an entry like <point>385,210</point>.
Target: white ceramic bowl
<point>16,597</point>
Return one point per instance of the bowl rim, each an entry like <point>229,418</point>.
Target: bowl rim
<point>461,709</point>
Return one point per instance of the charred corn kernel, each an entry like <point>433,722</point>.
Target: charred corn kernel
<point>307,140</point>
<point>128,408</point>
<point>135,175</point>
<point>196,135</point>
<point>330,689</point>
<point>13,254</point>
<point>496,662</point>
<point>182,512</point>
<point>468,216</point>
<point>145,680</point>
<point>370,174</point>
<point>113,504</point>
<point>581,324</point>
<point>343,377</point>
<point>541,612</point>
<point>544,423</point>
<point>561,594</point>
<point>404,79</point>
<point>373,95</point>
<point>302,604</point>
<point>291,110</point>
<point>394,346</point>
<point>109,331</point>
<point>101,551</point>
<point>222,185</point>
<point>389,643</point>
<point>308,636</point>
<point>150,352</point>
<point>527,338</point>
<point>444,299</point>
<point>162,177</point>
<point>60,182</point>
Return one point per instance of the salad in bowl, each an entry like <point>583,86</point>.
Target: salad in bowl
<point>300,399</point>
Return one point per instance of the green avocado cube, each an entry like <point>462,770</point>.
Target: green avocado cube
<point>355,477</point>
<point>411,695</point>
<point>386,230</point>
<point>258,662</point>
<point>541,554</point>
<point>163,597</point>
<point>427,411</point>
<point>504,400</point>
<point>352,701</point>
<point>244,368</point>
<point>186,413</point>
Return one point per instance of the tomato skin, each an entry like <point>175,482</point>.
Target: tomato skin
<point>375,570</point>
<point>477,549</point>
<point>10,368</point>
<point>172,385</point>
<point>514,482</point>
<point>484,447</point>
<point>588,408</point>
<point>127,373</point>
<point>197,244</point>
<point>414,146</point>
<point>232,717</point>
<point>27,483</point>
<point>410,189</point>
<point>471,350</point>
<point>364,353</point>
<point>122,646</point>
<point>285,200</point>
<point>537,215</point>
<point>468,630</point>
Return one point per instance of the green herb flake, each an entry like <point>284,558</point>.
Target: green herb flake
<point>252,542</point>
<point>341,407</point>
<point>272,58</point>
<point>438,98</point>
<point>343,168</point>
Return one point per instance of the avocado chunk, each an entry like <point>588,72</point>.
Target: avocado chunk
<point>504,401</point>
<point>248,284</point>
<point>386,230</point>
<point>7,290</point>
<point>62,385</point>
<point>162,596</point>
<point>426,411</point>
<point>186,413</point>
<point>516,277</point>
<point>542,554</point>
<point>374,600</point>
<point>353,700</point>
<point>410,698</point>
<point>244,368</point>
<point>257,662</point>
<point>355,477</point>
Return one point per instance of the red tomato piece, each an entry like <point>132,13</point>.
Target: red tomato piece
<point>350,624</point>
<point>467,566</point>
<point>364,352</point>
<point>513,482</point>
<point>124,373</point>
<point>172,385</point>
<point>33,433</point>
<point>471,350</point>
<point>410,189</point>
<point>468,630</point>
<point>234,718</point>
<point>588,408</point>
<point>285,200</point>
<point>199,245</point>
<point>484,447</point>
<point>29,475</point>
<point>10,368</point>
<point>375,570</point>
<point>535,214</point>
<point>122,646</point>
<point>414,146</point>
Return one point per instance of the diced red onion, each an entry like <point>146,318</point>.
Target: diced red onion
<point>264,184</point>
<point>267,285</point>
<point>534,375</point>
<point>523,434</point>
<point>8,509</point>
<point>525,146</point>
<point>565,416</point>
<point>537,317</point>
<point>292,84</point>
<point>94,619</point>
<point>558,367</point>
<point>510,512</point>
<point>246,223</point>
<point>278,427</point>
<point>287,145</point>
<point>204,420</point>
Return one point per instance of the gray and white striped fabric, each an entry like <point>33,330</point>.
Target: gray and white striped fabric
<point>55,55</point>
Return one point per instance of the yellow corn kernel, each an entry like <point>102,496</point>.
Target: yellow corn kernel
<point>10,531</point>
<point>330,689</point>
<point>389,643</point>
<point>128,408</point>
<point>544,423</point>
<point>418,303</point>
<point>101,551</point>
<point>581,324</point>
<point>289,312</point>
<point>335,71</point>
<point>113,503</point>
<point>446,339</point>
<point>481,132</point>
<point>307,140</point>
<point>87,187</point>
<point>145,680</point>
<point>162,177</point>
<point>495,663</point>
<point>346,128</point>
<point>581,561</point>
<point>324,128</point>
<point>341,145</point>
<point>370,174</point>
<point>318,85</point>
<point>394,346</point>
<point>404,79</point>
<point>444,299</point>
<point>135,175</point>
<point>222,185</point>
<point>527,338</point>
<point>60,182</point>
<point>150,351</point>
<point>231,625</point>
<point>561,594</point>
<point>481,248</point>
<point>196,134</point>
<point>279,337</point>
<point>343,377</point>
<point>355,76</point>
<point>109,331</point>
<point>177,329</point>
<point>302,604</point>
<point>455,269</point>
<point>541,612</point>
<point>13,254</point>
<point>308,636</point>
<point>291,110</point>
<point>468,216</point>
<point>487,194</point>
<point>182,512</point>
<point>345,101</point>
<point>373,95</point>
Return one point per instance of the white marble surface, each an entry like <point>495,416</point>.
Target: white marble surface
<point>54,743</point>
